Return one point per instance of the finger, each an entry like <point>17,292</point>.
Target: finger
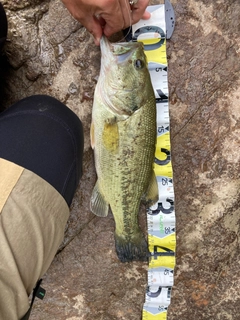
<point>117,17</point>
<point>126,13</point>
<point>139,11</point>
<point>146,15</point>
<point>94,26</point>
<point>115,21</point>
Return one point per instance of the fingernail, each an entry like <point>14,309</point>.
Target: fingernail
<point>97,41</point>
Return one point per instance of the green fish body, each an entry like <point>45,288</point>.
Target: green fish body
<point>123,136</point>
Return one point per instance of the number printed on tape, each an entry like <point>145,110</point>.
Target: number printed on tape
<point>160,277</point>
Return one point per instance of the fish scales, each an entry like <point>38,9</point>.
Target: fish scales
<point>123,136</point>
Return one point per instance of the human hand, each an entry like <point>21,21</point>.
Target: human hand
<point>106,16</point>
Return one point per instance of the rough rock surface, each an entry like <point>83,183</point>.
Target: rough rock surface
<point>49,52</point>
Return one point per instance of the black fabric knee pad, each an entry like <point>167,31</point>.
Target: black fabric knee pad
<point>41,134</point>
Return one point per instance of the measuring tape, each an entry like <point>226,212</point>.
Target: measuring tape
<point>160,217</point>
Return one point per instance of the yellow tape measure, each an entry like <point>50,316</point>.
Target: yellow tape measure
<point>160,217</point>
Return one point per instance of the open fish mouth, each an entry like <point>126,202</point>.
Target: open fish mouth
<point>121,50</point>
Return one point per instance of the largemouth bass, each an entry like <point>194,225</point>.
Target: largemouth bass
<point>123,136</point>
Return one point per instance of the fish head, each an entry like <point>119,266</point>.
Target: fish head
<point>125,82</point>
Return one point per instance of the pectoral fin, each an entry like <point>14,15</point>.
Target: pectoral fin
<point>151,196</point>
<point>98,204</point>
<point>111,135</point>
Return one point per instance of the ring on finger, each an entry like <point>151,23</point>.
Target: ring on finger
<point>132,2</point>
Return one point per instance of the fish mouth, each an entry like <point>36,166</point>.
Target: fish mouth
<point>114,55</point>
<point>119,51</point>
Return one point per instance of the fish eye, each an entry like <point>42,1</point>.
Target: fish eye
<point>139,64</point>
